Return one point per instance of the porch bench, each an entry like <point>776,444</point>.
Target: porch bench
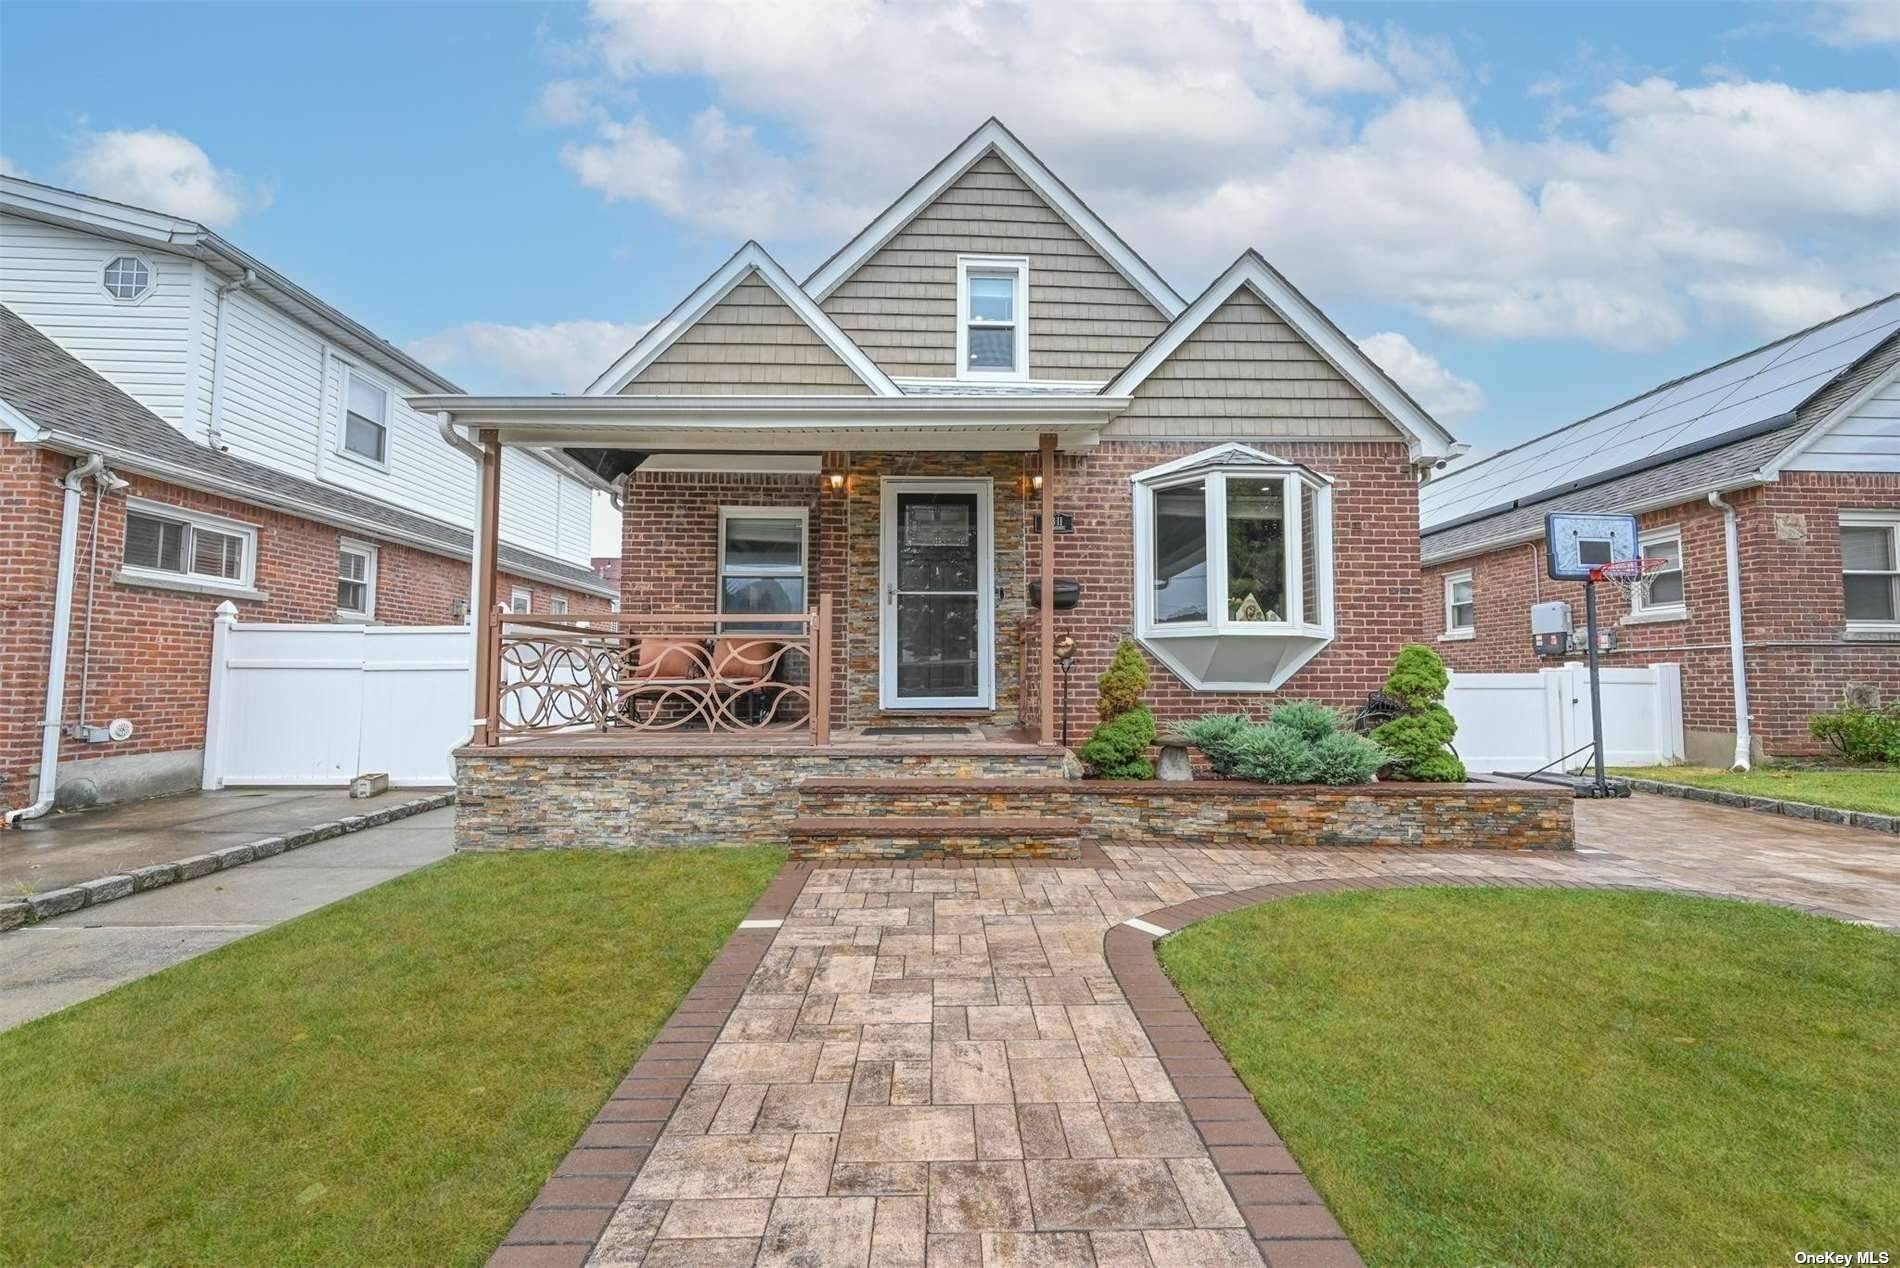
<point>889,837</point>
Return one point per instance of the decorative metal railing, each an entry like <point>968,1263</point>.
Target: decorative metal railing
<point>658,673</point>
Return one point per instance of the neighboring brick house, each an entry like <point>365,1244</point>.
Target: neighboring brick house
<point>170,530</point>
<point>1233,482</point>
<point>1801,440</point>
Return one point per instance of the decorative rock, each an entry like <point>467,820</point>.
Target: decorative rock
<point>1176,764</point>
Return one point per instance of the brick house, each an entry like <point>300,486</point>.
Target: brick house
<point>1794,448</point>
<point>984,397</point>
<point>166,531</point>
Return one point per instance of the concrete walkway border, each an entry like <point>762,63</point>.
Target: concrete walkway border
<point>1285,1215</point>
<point>33,908</point>
<point>1767,805</point>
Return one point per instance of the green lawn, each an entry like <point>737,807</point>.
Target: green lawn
<point>384,1081</point>
<point>1547,1077</point>
<point>1875,790</point>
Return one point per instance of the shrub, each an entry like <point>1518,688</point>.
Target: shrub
<point>1273,755</point>
<point>1345,758</point>
<point>1122,683</point>
<point>1216,736</point>
<point>1118,749</point>
<point>1417,740</point>
<point>1308,719</point>
<point>1859,733</point>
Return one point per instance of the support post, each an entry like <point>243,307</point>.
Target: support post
<point>1602,786</point>
<point>821,673</point>
<point>1046,656</point>
<point>487,622</point>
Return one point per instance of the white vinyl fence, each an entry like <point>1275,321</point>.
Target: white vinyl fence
<point>321,704</point>
<point>1522,722</point>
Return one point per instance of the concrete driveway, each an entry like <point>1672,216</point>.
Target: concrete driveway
<point>47,966</point>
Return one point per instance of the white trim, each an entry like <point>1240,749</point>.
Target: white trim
<point>1428,438</point>
<point>993,137</point>
<point>1217,454</point>
<point>525,597</point>
<point>350,546</point>
<point>1452,629</point>
<point>748,259</point>
<point>802,572</point>
<point>1152,930</point>
<point>1841,413</point>
<point>1016,268</point>
<point>1872,517</point>
<point>24,429</point>
<point>1642,611</point>
<point>349,370</point>
<point>984,488</point>
<point>778,464</point>
<point>151,278</point>
<point>246,580</point>
<point>1058,386</point>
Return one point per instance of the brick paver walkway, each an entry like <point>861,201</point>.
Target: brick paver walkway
<point>920,1065</point>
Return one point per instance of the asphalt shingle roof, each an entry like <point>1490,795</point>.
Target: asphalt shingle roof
<point>59,392</point>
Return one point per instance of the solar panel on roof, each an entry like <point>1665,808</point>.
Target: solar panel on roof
<point>1721,401</point>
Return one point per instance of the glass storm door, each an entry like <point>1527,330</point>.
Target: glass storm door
<point>938,624</point>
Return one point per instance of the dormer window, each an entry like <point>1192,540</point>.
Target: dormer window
<point>992,317</point>
<point>1234,567</point>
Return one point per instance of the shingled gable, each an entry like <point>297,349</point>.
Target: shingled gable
<point>993,139</point>
<point>1251,275</point>
<point>739,296</point>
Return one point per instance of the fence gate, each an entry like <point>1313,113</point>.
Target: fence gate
<point>1520,722</point>
<point>321,704</point>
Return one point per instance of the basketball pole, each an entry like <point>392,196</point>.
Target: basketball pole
<point>1596,692</point>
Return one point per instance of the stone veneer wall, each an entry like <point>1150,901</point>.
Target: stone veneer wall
<point>621,801</point>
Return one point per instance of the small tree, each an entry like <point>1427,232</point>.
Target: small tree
<point>1417,739</point>
<point>1118,748</point>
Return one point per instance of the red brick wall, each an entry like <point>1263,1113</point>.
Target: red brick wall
<point>151,648</point>
<point>1793,610</point>
<point>671,558</point>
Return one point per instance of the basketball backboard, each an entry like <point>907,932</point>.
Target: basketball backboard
<point>1576,543</point>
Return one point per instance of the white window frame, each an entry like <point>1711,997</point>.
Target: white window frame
<point>343,449</point>
<point>1015,267</point>
<point>802,572</point>
<point>1453,630</point>
<point>349,546</point>
<point>151,272</point>
<point>557,605</point>
<point>1310,631</point>
<point>520,601</point>
<point>245,583</point>
<point>1889,520</point>
<point>1641,609</point>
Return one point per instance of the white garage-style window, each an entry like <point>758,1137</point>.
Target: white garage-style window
<point>1234,567</point>
<point>992,317</point>
<point>167,544</point>
<point>355,580</point>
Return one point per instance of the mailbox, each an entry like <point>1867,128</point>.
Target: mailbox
<point>1068,593</point>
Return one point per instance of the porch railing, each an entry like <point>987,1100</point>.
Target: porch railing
<point>658,673</point>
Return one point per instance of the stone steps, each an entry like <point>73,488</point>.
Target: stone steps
<point>875,837</point>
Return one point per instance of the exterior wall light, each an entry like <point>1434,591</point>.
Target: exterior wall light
<point>836,479</point>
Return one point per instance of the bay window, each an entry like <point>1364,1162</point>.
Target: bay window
<point>1233,567</point>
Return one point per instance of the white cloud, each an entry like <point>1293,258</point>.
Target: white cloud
<point>1628,218</point>
<point>561,356</point>
<point>161,170</point>
<point>9,168</point>
<point>1445,395</point>
<point>1853,23</point>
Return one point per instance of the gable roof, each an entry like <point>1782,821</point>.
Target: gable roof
<point>1759,391</point>
<point>1428,438</point>
<point>747,261</point>
<point>50,396</point>
<point>993,138</point>
<point>1746,457</point>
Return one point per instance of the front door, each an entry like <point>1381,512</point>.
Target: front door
<point>939,623</point>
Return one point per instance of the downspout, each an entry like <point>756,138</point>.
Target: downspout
<point>1744,741</point>
<point>50,724</point>
<point>215,427</point>
<point>455,440</point>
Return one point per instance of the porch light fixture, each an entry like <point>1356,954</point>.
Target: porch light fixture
<point>1035,482</point>
<point>835,479</point>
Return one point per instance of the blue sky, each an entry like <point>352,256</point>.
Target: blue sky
<point>1526,211</point>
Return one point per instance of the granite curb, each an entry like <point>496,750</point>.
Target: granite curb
<point>33,908</point>
<point>564,1222</point>
<point>1286,1216</point>
<point>1768,805</point>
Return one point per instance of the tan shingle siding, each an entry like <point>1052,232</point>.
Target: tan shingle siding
<point>1085,320</point>
<point>1245,372</point>
<point>749,343</point>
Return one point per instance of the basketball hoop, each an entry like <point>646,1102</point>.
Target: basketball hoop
<point>1632,576</point>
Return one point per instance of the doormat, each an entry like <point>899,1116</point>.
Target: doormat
<point>871,732</point>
